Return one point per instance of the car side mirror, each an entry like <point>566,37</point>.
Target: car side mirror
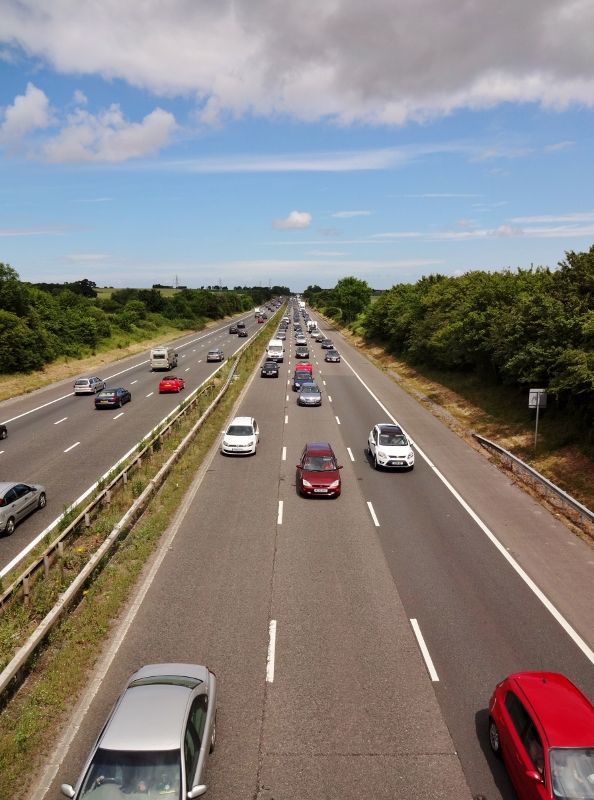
<point>67,790</point>
<point>197,791</point>
<point>340,466</point>
<point>534,775</point>
<point>298,466</point>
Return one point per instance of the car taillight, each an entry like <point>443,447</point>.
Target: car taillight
<point>2,501</point>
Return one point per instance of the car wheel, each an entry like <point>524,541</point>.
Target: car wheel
<point>42,500</point>
<point>213,735</point>
<point>375,464</point>
<point>10,526</point>
<point>3,434</point>
<point>494,741</point>
<point>120,404</point>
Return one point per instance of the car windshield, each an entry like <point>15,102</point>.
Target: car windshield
<point>319,463</point>
<point>572,773</point>
<point>310,389</point>
<point>393,440</point>
<point>117,774</point>
<point>240,430</point>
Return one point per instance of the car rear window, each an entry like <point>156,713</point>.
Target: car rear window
<point>169,680</point>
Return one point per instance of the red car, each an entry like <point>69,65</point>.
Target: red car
<point>171,384</point>
<point>304,366</point>
<point>542,726</point>
<point>318,472</point>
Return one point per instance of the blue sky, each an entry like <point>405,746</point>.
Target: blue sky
<point>253,142</point>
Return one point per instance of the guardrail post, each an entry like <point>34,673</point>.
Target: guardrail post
<point>26,590</point>
<point>87,520</point>
<point>108,497</point>
<point>125,477</point>
<point>46,565</point>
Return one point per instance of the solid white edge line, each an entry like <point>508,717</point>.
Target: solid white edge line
<point>284,457</point>
<point>350,452</point>
<point>279,516</point>
<point>557,616</point>
<point>271,651</point>
<point>424,651</point>
<point>373,514</point>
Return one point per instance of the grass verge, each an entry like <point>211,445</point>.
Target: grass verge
<point>113,349</point>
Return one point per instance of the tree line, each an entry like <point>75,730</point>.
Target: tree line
<point>42,322</point>
<point>522,328</point>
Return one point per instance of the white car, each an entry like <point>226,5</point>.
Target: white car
<point>389,446</point>
<point>241,437</point>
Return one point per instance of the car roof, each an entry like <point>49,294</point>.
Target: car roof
<point>319,448</point>
<point>565,713</point>
<point>389,428</point>
<point>150,716</point>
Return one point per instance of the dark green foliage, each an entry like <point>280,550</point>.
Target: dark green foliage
<point>40,322</point>
<point>521,329</point>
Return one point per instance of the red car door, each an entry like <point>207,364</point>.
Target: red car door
<point>522,751</point>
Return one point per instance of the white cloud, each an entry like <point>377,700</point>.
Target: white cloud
<point>341,161</point>
<point>297,220</point>
<point>298,58</point>
<point>326,253</point>
<point>108,137</point>
<point>80,98</point>
<point>578,216</point>
<point>350,214</point>
<point>28,112</point>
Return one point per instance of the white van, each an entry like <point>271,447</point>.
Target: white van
<point>275,350</point>
<point>163,358</point>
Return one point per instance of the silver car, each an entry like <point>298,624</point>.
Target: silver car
<point>215,355</point>
<point>157,739</point>
<point>309,394</point>
<point>18,500</point>
<point>90,385</point>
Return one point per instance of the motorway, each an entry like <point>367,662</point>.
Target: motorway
<point>353,705</point>
<point>59,440</point>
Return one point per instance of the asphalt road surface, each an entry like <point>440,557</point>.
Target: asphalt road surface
<point>61,441</point>
<point>450,555</point>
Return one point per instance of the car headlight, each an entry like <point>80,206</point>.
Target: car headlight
<point>380,454</point>
<point>410,456</point>
<point>335,484</point>
<point>306,483</point>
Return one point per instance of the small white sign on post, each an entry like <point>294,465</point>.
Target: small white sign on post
<point>537,398</point>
